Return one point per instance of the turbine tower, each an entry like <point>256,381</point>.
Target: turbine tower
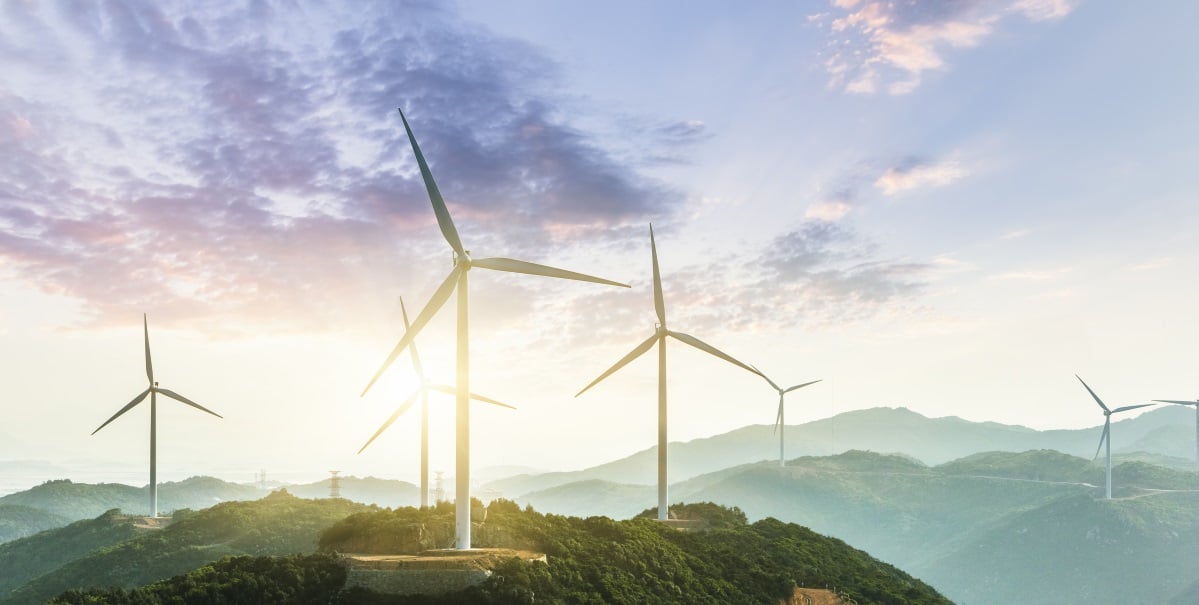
<point>778,419</point>
<point>1196,404</point>
<point>153,390</point>
<point>423,390</point>
<point>659,337</point>
<point>457,280</point>
<point>1106,437</point>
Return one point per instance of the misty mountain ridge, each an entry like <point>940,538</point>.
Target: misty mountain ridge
<point>896,430</point>
<point>986,528</point>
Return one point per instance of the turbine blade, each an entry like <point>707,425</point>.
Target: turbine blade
<point>1107,425</point>
<point>396,414</point>
<point>439,297</point>
<point>634,354</point>
<point>149,366</point>
<point>128,406</point>
<point>520,266</point>
<point>1131,407</point>
<point>766,378</point>
<point>417,366</point>
<point>707,348</point>
<point>182,399</point>
<point>443,214</point>
<point>1195,403</point>
<point>449,390</point>
<point>778,418</point>
<point>1097,399</point>
<point>659,301</point>
<point>800,386</point>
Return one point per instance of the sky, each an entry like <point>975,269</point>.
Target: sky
<point>948,206</point>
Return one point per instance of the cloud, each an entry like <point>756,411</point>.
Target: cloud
<point>914,174</point>
<point>247,161</point>
<point>880,45</point>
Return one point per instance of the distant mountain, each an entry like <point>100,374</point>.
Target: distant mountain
<point>19,521</point>
<point>894,430</point>
<point>276,525</point>
<point>945,523</point>
<point>367,490</point>
<point>75,501</point>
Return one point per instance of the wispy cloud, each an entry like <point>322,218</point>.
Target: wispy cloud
<point>881,46</point>
<point>915,174</point>
<point>248,161</point>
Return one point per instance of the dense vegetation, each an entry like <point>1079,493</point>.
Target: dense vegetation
<point>295,579</point>
<point>25,559</point>
<point>598,560</point>
<point>279,524</point>
<point>17,521</point>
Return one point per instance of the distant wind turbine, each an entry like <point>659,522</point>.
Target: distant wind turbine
<point>659,337</point>
<point>457,280</point>
<point>423,390</point>
<point>778,420</point>
<point>1106,437</point>
<point>153,390</point>
<point>1196,404</point>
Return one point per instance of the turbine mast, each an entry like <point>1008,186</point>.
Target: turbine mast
<point>153,452</point>
<point>462,458</point>
<point>663,500</point>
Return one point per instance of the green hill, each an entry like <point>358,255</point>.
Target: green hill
<point>25,559</point>
<point>926,520</point>
<point>1078,549</point>
<point>276,525</point>
<point>367,490</point>
<point>17,521</point>
<point>75,501</point>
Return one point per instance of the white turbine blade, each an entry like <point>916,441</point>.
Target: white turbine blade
<point>707,348</point>
<point>778,418</point>
<point>182,399</point>
<point>520,266</point>
<point>659,301</point>
<point>128,406</point>
<point>449,390</point>
<point>149,366</point>
<point>800,386</point>
<point>396,414</point>
<point>1131,407</point>
<point>417,366</point>
<point>439,297</point>
<point>765,377</point>
<point>1097,399</point>
<point>1195,403</point>
<point>1107,425</point>
<point>634,354</point>
<point>443,214</point>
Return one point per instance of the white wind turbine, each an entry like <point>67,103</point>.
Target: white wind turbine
<point>1196,404</point>
<point>1106,437</point>
<point>457,280</point>
<point>153,390</point>
<point>778,419</point>
<point>423,390</point>
<point>659,337</point>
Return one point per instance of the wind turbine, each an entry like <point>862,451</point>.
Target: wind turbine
<point>153,390</point>
<point>457,280</point>
<point>1107,430</point>
<point>659,337</point>
<point>778,420</point>
<point>423,390</point>
<point>1196,404</point>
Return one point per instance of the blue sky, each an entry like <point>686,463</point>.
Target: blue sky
<point>949,206</point>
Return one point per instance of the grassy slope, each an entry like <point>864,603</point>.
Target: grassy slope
<point>25,559</point>
<point>276,525</point>
<point>17,521</point>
